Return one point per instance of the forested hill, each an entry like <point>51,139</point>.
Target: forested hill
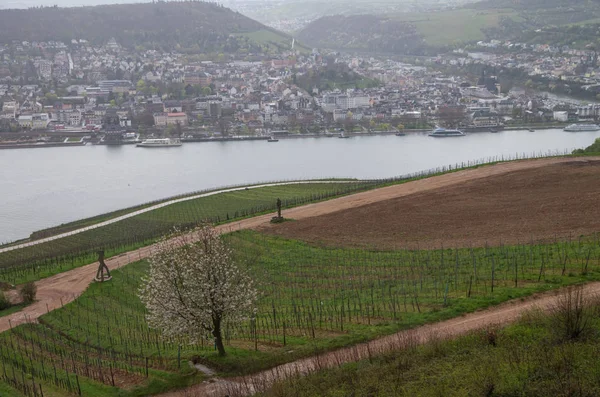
<point>557,22</point>
<point>193,25</point>
<point>362,32</point>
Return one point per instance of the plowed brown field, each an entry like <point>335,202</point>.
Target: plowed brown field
<point>557,201</point>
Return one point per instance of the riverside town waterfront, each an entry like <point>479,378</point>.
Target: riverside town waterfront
<point>57,185</point>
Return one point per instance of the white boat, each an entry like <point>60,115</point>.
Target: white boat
<point>160,142</point>
<point>444,133</point>
<point>582,127</point>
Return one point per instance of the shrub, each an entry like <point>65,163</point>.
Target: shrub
<point>572,314</point>
<point>4,302</point>
<point>492,336</point>
<point>28,292</point>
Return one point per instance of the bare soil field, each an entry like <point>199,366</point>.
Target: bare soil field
<point>553,200</point>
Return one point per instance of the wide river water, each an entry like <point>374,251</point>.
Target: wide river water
<point>45,187</point>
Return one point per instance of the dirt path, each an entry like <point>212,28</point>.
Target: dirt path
<point>497,316</point>
<point>152,208</point>
<point>60,289</point>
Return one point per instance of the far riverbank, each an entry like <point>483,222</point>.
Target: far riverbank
<point>15,144</point>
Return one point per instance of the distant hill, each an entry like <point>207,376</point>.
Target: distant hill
<point>539,21</point>
<point>191,25</point>
<point>298,13</point>
<point>558,22</point>
<point>404,33</point>
<point>362,32</point>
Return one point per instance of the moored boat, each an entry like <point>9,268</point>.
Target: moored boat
<point>160,142</point>
<point>444,133</point>
<point>582,127</point>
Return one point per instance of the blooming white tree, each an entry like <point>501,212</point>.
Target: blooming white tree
<point>194,286</point>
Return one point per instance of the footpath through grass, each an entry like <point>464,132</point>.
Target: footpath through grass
<point>531,358</point>
<point>82,223</point>
<point>56,256</point>
<point>313,300</point>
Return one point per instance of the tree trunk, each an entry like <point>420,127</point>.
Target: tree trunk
<point>218,337</point>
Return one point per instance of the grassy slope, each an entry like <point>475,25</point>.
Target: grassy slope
<point>594,148</point>
<point>350,286</point>
<point>17,266</point>
<point>531,358</point>
<point>63,333</point>
<point>469,23</point>
<point>11,310</point>
<point>6,390</point>
<point>80,223</point>
<point>454,26</point>
<point>440,28</point>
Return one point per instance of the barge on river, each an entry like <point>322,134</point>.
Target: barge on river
<point>160,142</point>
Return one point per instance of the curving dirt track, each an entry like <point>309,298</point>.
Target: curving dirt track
<point>496,316</point>
<point>55,291</point>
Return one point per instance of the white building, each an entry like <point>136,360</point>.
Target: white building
<point>166,119</point>
<point>341,115</point>
<point>588,111</point>
<point>69,117</point>
<point>561,116</point>
<point>37,121</point>
<point>359,102</point>
<point>9,110</point>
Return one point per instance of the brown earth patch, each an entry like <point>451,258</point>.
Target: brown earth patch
<point>557,201</point>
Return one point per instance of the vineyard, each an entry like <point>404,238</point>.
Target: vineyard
<point>312,299</point>
<point>51,257</point>
<point>48,258</point>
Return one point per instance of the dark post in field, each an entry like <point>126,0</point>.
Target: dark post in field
<point>103,273</point>
<point>279,208</point>
<point>278,218</point>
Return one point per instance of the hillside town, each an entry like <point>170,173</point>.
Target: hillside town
<point>114,94</point>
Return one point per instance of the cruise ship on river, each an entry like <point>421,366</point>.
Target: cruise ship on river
<point>582,127</point>
<point>444,133</point>
<point>160,142</point>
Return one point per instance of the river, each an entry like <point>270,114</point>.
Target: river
<point>49,186</point>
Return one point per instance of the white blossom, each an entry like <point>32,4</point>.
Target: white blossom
<point>194,286</point>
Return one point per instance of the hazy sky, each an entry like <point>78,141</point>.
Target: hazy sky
<point>76,3</point>
<point>61,3</point>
